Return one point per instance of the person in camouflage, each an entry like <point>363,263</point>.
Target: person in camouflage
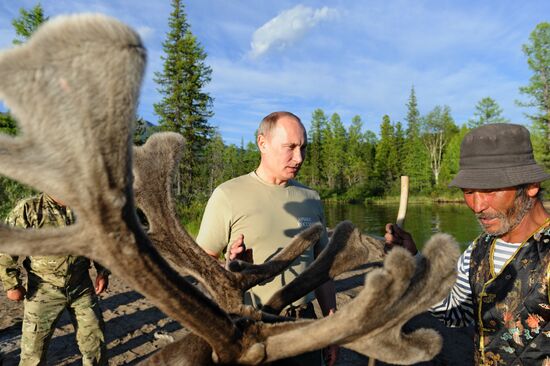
<point>54,283</point>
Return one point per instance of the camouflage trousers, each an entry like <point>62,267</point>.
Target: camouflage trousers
<point>43,307</point>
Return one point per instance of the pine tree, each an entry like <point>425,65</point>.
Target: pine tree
<point>28,22</point>
<point>251,157</point>
<point>487,111</point>
<point>185,106</point>
<point>334,151</point>
<point>385,162</point>
<point>538,58</point>
<point>312,170</point>
<point>415,158</point>
<point>357,168</point>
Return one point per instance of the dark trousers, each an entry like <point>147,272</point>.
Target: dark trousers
<point>305,311</point>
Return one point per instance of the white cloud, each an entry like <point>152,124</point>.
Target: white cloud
<point>145,32</point>
<point>287,27</point>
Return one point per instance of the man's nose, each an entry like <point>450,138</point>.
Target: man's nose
<point>479,202</point>
<point>298,155</point>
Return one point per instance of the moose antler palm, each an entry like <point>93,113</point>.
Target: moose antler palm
<point>73,88</point>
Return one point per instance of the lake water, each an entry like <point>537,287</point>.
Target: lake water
<point>422,220</point>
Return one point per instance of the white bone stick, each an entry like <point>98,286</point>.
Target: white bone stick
<point>403,200</point>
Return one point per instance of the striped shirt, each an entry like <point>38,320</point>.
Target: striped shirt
<point>457,309</point>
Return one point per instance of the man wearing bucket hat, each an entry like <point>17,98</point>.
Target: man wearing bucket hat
<point>503,276</point>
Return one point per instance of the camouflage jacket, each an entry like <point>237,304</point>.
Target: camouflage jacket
<point>61,271</point>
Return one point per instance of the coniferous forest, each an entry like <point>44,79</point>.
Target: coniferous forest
<point>345,162</point>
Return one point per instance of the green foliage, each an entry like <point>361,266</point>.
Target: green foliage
<point>142,131</point>
<point>386,166</point>
<point>487,111</point>
<point>359,162</point>
<point>415,156</point>
<point>12,191</point>
<point>437,129</point>
<point>537,51</point>
<point>343,161</point>
<point>7,124</point>
<point>334,153</point>
<point>451,158</point>
<point>28,22</point>
<point>185,106</point>
<point>312,171</point>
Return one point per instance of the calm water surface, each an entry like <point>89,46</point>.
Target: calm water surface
<point>423,220</point>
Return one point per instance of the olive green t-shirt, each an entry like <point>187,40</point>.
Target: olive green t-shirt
<point>268,216</point>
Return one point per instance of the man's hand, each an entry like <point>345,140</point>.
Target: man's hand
<point>238,250</point>
<point>16,294</point>
<point>101,283</point>
<point>395,236</point>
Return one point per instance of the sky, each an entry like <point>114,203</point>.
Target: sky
<point>351,57</point>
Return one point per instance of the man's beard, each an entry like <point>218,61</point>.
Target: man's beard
<point>512,217</point>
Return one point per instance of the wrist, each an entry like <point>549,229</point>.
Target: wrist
<point>14,287</point>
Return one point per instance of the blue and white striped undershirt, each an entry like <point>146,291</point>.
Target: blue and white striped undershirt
<point>457,309</point>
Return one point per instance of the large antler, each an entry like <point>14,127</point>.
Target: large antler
<point>154,166</point>
<point>348,248</point>
<point>73,88</point>
<point>371,323</point>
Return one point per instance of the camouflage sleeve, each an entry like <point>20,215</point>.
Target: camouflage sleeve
<point>9,270</point>
<point>21,215</point>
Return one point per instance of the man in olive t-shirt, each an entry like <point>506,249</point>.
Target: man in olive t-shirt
<point>268,216</point>
<point>265,209</point>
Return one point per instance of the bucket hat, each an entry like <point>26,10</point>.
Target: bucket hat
<point>496,156</point>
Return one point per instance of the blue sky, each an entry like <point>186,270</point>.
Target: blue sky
<point>352,57</point>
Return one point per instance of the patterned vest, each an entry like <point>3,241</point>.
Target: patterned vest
<point>512,308</point>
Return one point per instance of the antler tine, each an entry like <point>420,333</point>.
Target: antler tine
<point>74,92</point>
<point>441,253</point>
<point>249,275</point>
<point>154,165</point>
<point>36,81</point>
<point>191,350</point>
<point>381,308</point>
<point>347,249</point>
<point>27,242</point>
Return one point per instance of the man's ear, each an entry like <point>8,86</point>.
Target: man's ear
<point>261,141</point>
<point>533,189</point>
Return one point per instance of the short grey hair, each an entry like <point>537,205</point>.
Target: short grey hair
<point>270,121</point>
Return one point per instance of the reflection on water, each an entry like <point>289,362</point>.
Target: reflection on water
<point>423,220</point>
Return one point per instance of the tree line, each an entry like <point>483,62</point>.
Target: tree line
<point>351,164</point>
<point>348,164</point>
